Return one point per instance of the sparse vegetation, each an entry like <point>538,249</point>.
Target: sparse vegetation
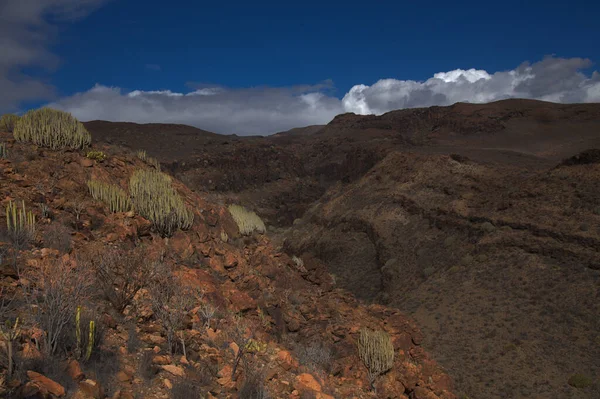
<point>7,122</point>
<point>96,155</point>
<point>121,275</point>
<point>3,151</point>
<point>47,127</point>
<point>580,381</point>
<point>155,199</point>
<point>376,350</point>
<point>171,304</point>
<point>186,390</point>
<point>58,236</point>
<point>316,356</point>
<point>247,221</point>
<point>57,288</point>
<point>112,195</point>
<point>20,227</point>
<point>141,154</point>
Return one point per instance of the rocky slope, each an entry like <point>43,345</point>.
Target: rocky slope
<point>465,217</point>
<point>286,307</point>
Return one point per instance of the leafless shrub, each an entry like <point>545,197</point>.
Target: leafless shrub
<point>172,302</point>
<point>78,207</point>
<point>133,341</point>
<point>45,211</point>
<point>254,385</point>
<point>186,389</point>
<point>207,312</point>
<point>58,236</point>
<point>316,356</point>
<point>121,274</point>
<point>57,287</point>
<point>146,368</point>
<point>10,328</point>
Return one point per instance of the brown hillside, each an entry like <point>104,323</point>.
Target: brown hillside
<point>304,329</point>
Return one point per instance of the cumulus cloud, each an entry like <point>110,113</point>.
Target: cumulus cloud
<point>223,110</point>
<point>264,110</point>
<point>552,79</point>
<point>27,28</point>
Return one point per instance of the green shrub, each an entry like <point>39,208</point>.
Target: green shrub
<point>7,122</point>
<point>376,350</point>
<point>112,195</point>
<point>246,220</point>
<point>96,155</point>
<point>155,199</point>
<point>580,381</point>
<point>51,128</point>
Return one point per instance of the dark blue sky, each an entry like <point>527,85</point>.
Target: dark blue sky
<point>245,43</point>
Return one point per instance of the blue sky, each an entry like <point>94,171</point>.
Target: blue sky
<point>247,49</point>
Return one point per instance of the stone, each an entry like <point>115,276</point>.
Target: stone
<point>46,384</point>
<point>175,370</point>
<point>306,381</point>
<point>91,389</point>
<point>167,383</point>
<point>286,360</point>
<point>74,370</point>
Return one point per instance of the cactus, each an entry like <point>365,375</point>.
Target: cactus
<point>246,220</point>
<point>78,330</point>
<point>51,128</point>
<point>3,151</point>
<point>141,154</point>
<point>7,122</point>
<point>90,343</point>
<point>155,199</point>
<point>376,350</point>
<point>112,195</point>
<point>19,221</point>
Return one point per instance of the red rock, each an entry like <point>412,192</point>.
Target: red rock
<point>182,245</point>
<point>46,384</point>
<point>86,162</point>
<point>167,383</point>
<point>175,370</point>
<point>123,376</point>
<point>74,370</point>
<point>161,360</point>
<point>230,260</point>
<point>240,301</point>
<point>91,389</point>
<point>286,360</point>
<point>306,381</point>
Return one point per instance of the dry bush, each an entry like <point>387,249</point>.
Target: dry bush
<point>57,288</point>
<point>253,386</point>
<point>58,236</point>
<point>246,220</point>
<point>172,302</point>
<point>51,128</point>
<point>186,389</point>
<point>316,356</point>
<point>146,368</point>
<point>122,274</point>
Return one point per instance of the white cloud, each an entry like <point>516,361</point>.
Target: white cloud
<point>27,28</point>
<point>552,79</point>
<point>269,110</point>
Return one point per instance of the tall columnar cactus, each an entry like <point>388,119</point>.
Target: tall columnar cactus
<point>19,221</point>
<point>52,128</point>
<point>155,199</point>
<point>90,343</point>
<point>376,350</point>
<point>7,122</point>
<point>112,195</point>
<point>78,330</point>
